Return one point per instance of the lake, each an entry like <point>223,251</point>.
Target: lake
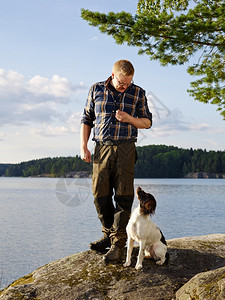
<point>44,219</point>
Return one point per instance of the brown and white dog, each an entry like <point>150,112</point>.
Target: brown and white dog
<point>142,230</point>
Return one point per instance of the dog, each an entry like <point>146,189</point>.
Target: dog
<point>141,229</point>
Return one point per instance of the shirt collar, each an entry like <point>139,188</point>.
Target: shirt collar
<point>108,81</point>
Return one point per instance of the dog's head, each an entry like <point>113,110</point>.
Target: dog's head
<point>147,202</point>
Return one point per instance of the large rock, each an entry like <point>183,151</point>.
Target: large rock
<point>195,271</point>
<point>207,285</point>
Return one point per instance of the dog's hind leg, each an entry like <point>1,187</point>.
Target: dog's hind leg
<point>130,245</point>
<point>160,250</point>
<point>140,255</point>
<point>149,253</point>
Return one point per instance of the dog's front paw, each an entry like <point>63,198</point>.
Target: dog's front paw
<point>138,267</point>
<point>127,264</point>
<point>160,262</point>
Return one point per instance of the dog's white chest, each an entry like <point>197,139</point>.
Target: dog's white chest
<point>141,228</point>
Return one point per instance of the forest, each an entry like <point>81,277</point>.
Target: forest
<point>154,161</point>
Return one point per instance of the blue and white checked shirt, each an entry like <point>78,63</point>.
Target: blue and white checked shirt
<point>101,106</point>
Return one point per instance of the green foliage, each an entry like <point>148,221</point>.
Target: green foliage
<point>154,161</point>
<point>3,168</point>
<point>52,167</point>
<point>160,161</point>
<point>172,32</point>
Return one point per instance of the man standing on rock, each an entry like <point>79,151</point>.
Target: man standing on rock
<point>115,109</point>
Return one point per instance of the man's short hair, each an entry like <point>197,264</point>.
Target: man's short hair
<point>123,67</point>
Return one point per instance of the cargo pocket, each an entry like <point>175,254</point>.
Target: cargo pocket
<point>100,181</point>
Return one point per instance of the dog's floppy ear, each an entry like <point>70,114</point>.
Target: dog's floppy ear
<point>150,206</point>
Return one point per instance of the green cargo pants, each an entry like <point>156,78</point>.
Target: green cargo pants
<point>113,177</point>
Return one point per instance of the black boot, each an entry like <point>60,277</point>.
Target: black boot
<point>114,254</point>
<point>101,244</point>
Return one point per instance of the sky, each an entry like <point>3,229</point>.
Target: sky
<point>50,57</point>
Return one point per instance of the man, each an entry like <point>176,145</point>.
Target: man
<point>115,108</point>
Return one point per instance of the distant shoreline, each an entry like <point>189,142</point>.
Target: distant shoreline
<point>205,175</point>
<point>154,161</point>
<point>86,174</point>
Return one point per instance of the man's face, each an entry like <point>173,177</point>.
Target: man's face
<point>121,82</point>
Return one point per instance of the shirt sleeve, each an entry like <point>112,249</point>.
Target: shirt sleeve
<point>142,108</point>
<point>89,114</point>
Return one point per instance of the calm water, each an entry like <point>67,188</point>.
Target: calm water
<point>44,219</point>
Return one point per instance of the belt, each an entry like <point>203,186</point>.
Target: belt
<point>114,143</point>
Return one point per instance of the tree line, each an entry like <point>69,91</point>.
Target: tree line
<point>173,162</point>
<point>51,167</point>
<point>154,161</point>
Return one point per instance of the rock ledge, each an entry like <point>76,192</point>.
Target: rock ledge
<point>196,270</point>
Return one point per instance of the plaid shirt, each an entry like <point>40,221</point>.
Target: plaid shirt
<point>101,106</point>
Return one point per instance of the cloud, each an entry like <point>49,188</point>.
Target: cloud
<point>73,122</point>
<point>198,126</point>
<point>72,125</point>
<point>220,130</point>
<point>2,136</point>
<point>40,112</point>
<point>167,122</point>
<point>56,87</point>
<point>174,123</point>
<point>49,131</point>
<point>33,100</point>
<point>95,38</point>
<point>11,86</point>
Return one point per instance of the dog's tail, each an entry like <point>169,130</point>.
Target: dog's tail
<point>163,240</point>
<point>167,257</point>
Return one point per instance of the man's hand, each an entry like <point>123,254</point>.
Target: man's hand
<point>122,116</point>
<point>86,155</point>
<point>84,137</point>
<point>141,123</point>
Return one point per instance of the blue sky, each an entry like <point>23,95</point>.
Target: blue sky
<point>49,58</point>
